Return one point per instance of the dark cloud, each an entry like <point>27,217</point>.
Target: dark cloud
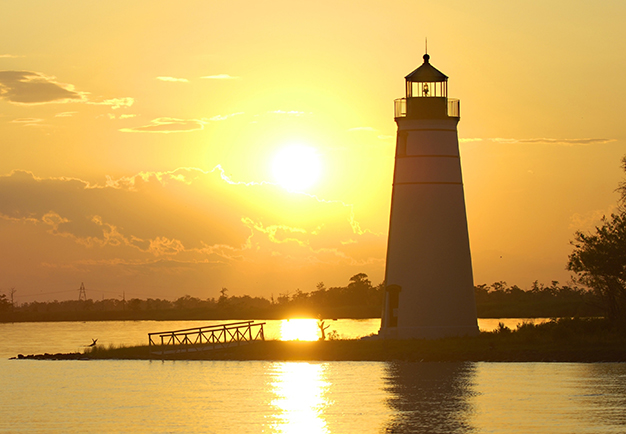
<point>26,87</point>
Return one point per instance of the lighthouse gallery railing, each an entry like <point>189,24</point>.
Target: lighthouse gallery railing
<point>454,108</point>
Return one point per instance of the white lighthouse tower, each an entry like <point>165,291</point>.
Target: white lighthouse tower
<point>430,287</point>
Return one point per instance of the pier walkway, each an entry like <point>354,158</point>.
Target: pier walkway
<point>205,338</point>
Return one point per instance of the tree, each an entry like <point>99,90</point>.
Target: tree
<point>223,296</point>
<point>599,260</point>
<point>4,303</point>
<point>360,280</point>
<point>621,189</point>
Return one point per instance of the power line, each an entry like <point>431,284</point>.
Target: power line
<point>45,293</point>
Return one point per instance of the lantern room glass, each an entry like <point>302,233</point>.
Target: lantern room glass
<point>421,89</point>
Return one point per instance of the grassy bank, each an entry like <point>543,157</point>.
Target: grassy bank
<point>564,340</point>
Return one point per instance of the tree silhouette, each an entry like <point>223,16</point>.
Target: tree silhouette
<point>599,259</point>
<point>4,303</point>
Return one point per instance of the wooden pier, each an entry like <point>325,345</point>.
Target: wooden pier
<point>205,338</point>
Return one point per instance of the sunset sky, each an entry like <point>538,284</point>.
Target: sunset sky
<point>140,140</point>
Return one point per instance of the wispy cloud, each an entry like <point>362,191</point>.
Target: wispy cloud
<point>26,87</point>
<point>220,77</point>
<point>224,117</point>
<point>168,125</point>
<point>468,140</point>
<point>65,114</point>
<point>588,221</point>
<point>115,103</point>
<point>173,79</point>
<point>561,142</point>
<point>10,56</point>
<point>26,120</point>
<point>112,116</point>
<point>175,125</point>
<point>363,129</point>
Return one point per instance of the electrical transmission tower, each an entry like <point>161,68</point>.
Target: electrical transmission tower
<point>82,293</point>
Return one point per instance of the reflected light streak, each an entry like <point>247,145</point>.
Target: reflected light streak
<point>301,400</point>
<point>299,329</point>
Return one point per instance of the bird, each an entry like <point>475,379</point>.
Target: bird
<point>93,344</point>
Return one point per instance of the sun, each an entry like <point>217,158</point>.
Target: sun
<point>296,167</point>
<point>299,329</point>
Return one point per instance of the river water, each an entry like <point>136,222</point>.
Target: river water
<point>128,396</point>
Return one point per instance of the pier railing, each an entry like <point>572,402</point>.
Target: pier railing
<point>205,338</point>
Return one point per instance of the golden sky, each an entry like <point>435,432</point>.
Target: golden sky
<point>139,140</point>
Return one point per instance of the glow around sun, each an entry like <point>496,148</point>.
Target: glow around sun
<point>296,167</point>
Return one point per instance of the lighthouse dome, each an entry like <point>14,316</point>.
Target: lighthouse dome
<point>426,73</point>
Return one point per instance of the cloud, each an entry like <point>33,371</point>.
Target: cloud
<point>175,125</point>
<point>112,116</point>
<point>65,114</point>
<point>168,125</point>
<point>467,140</point>
<point>287,112</point>
<point>178,227</point>
<point>115,103</point>
<point>26,120</point>
<point>26,87</point>
<point>562,142</point>
<point>173,79</point>
<point>218,118</point>
<point>9,56</point>
<point>588,221</point>
<point>362,129</point>
<point>220,77</point>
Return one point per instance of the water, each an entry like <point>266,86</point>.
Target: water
<point>118,396</point>
<point>67,337</point>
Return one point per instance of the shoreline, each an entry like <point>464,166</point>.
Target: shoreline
<point>242,318</point>
<point>488,347</point>
<point>559,340</point>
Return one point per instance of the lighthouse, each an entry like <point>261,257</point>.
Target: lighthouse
<point>429,283</point>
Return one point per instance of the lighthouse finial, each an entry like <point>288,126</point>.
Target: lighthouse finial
<point>426,45</point>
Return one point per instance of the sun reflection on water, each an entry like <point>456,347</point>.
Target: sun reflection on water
<point>301,398</point>
<point>299,329</point>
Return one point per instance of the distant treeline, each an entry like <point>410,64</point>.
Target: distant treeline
<point>358,299</point>
<point>540,301</point>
